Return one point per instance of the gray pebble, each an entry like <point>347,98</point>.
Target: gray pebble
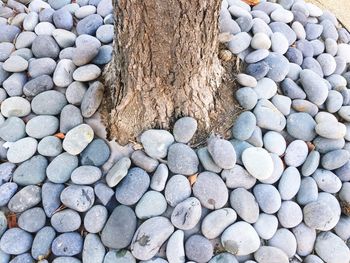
<point>78,198</point>
<point>243,202</point>
<point>45,46</point>
<point>32,220</point>
<point>64,38</point>
<point>140,159</point>
<point>334,101</point>
<point>66,220</point>
<point>86,175</point>
<point>308,191</point>
<point>87,73</point>
<point>77,139</point>
<point>238,177</point>
<point>182,159</point>
<point>89,24</point>
<point>92,99</point>
<point>274,142</point>
<point>285,30</point>
<point>32,171</point>
<point>25,39</point>
<point>290,214</point>
<point>70,117</point>
<point>95,219</point>
<point>16,241</point>
<point>268,117</point>
<point>103,193</point>
<point>331,130</point>
<point>24,199</point>
<point>61,167</point>
<point>49,102</point>
<point>266,226</point>
<point>5,50</point>
<point>159,178</point>
<point>244,126</point>
<point>268,198</point>
<point>177,189</point>
<point>258,162</point>
<point>75,92</point>
<point>184,129</point>
<point>42,126</point>
<point>38,85</point>
<point>50,146</point>
<point>292,90</point>
<point>261,41</point>
<point>14,84</point>
<point>258,70</point>
<point>222,152</point>
<point>22,150</point>
<point>199,249</point>
<point>327,181</point>
<point>104,55</point>
<point>246,97</point>
<point>266,254</point>
<point>311,163</point>
<point>151,204</point>
<point>96,153</point>
<point>12,129</point>
<point>51,197</point>
<point>41,66</point>
<point>278,66</point>
<point>335,159</point>
<point>8,33</point>
<point>63,19</point>
<point>326,242</point>
<point>157,148</point>
<point>42,242</point>
<point>67,244</point>
<point>186,214</point>
<point>93,250</point>
<point>256,56</point>
<point>296,153</point>
<point>301,126</point>
<point>240,43</point>
<point>289,183</point>
<point>63,75</point>
<point>285,240</point>
<point>7,190</point>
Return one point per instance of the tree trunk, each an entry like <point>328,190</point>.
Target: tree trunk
<point>165,66</point>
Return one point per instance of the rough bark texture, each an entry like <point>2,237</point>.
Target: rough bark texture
<point>165,66</point>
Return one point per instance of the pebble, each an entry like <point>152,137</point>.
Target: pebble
<point>279,43</point>
<point>278,66</point>
<point>87,73</point>
<point>258,162</point>
<point>305,238</point>
<point>159,178</point>
<point>240,239</point>
<point>266,226</point>
<point>44,46</point>
<point>296,153</point>
<point>290,214</point>
<point>239,43</point>
<point>61,167</point>
<point>334,101</point>
<point>15,106</point>
<point>92,99</point>
<point>268,116</point>
<point>266,254</point>
<point>285,30</point>
<point>244,203</point>
<point>292,90</point>
<point>274,142</point>
<point>89,155</point>
<point>30,21</point>
<point>132,187</point>
<point>41,66</point>
<point>86,175</point>
<point>123,256</point>
<point>311,163</point>
<point>15,64</point>
<point>70,117</point>
<point>95,219</point>
<point>38,85</point>
<point>49,102</point>
<point>285,240</point>
<point>67,244</point>
<point>77,139</point>
<point>8,33</point>
<point>16,241</point>
<point>222,152</point>
<point>143,161</point>
<point>118,171</point>
<point>199,249</point>
<point>268,198</point>
<point>14,84</point>
<point>78,198</point>
<point>182,159</point>
<point>42,242</point>
<point>75,92</point>
<point>175,251</point>
<point>156,148</point>
<point>50,146</point>
<point>51,197</point>
<point>7,190</point>
<point>22,150</point>
<point>211,190</point>
<point>104,55</point>
<point>258,70</point>
<point>260,41</point>
<point>32,171</point>
<point>64,38</point>
<point>32,220</point>
<point>327,181</point>
<point>238,177</point>
<point>93,249</point>
<point>326,242</point>
<point>158,230</point>
<point>247,98</point>
<point>177,189</point>
<point>289,183</point>
<point>151,204</point>
<point>187,214</point>
<point>120,228</point>
<point>66,220</point>
<point>342,228</point>
<point>256,56</point>
<point>266,88</point>
<point>335,159</point>
<point>63,75</point>
<point>42,126</point>
<point>12,129</point>
<point>63,19</point>
<point>89,24</point>
<point>331,130</point>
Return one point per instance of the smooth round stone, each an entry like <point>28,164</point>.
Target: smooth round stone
<point>308,191</point>
<point>42,126</point>
<point>14,84</point>
<point>299,30</point>
<point>120,228</point>
<point>258,162</point>
<point>279,43</point>
<point>92,99</point>
<point>311,163</point>
<point>294,55</point>
<point>32,171</point>
<point>15,64</point>
<point>64,38</point>
<point>86,175</point>
<point>335,159</point>
<point>66,220</point>
<point>326,242</point>
<point>25,40</point>
<point>306,48</point>
<point>89,24</point>
<point>266,226</point>
<point>41,66</point>
<point>67,244</point>
<point>158,230</point>
<point>182,159</point>
<point>282,15</point>
<point>23,258</point>
<point>343,172</point>
<point>344,112</point>
<point>238,177</point>
<point>184,129</point>
<point>266,88</point>
<point>292,90</point>
<point>322,214</point>
<point>261,41</point>
<point>177,189</point>
<point>274,142</point>
<point>42,242</point>
<point>175,251</point>
<point>63,19</point>
<point>341,65</point>
<point>305,238</point>
<point>342,228</point>
<point>199,249</point>
<point>211,190</point>
<point>70,117</point>
<point>331,46</point>
<point>75,92</point>
<point>22,150</point>
<point>313,65</point>
<point>12,129</point>
<point>157,142</point>
<point>256,56</point>
<point>77,139</point>
<point>159,178</point>
<point>132,187</point>
<point>282,103</point>
<point>246,80</point>
<point>305,106</point>
<point>266,254</point>
<point>239,43</point>
<point>331,130</point>
<point>32,220</point>
<point>51,197</point>
<point>268,198</point>
<point>324,145</point>
<point>50,146</point>
<point>95,219</point>
<point>243,202</point>
<point>258,70</point>
<point>104,7</point>
<point>151,204</point>
<point>240,239</point>
<point>121,256</point>
<point>105,33</point>
<point>16,241</point>
<point>256,138</point>
<point>15,106</point>
<point>289,183</point>
<point>78,198</point>
<point>327,63</point>
<point>285,30</point>
<point>93,250</point>
<point>63,75</point>
<point>313,31</point>
<point>296,153</point>
<point>58,4</point>
<point>48,102</point>
<point>45,46</point>
<point>284,240</point>
<point>61,167</point>
<point>38,85</point>
<point>8,33</point>
<point>268,117</point>
<point>277,170</point>
<point>45,15</point>
<point>30,21</point>
<point>186,214</point>
<point>329,30</point>
<point>143,161</point>
<point>244,126</point>
<point>247,98</point>
<point>290,214</point>
<point>217,221</point>
<point>314,86</point>
<point>222,152</point>
<point>118,171</point>
<point>87,73</point>
<point>327,181</point>
<point>344,51</point>
<point>278,66</point>
<point>245,23</point>
<point>83,54</point>
<point>84,11</point>
<point>104,55</point>
<point>7,190</point>
<point>259,26</point>
<point>334,101</point>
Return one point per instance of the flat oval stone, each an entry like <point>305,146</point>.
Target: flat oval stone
<point>15,64</point>
<point>60,168</point>
<point>285,240</point>
<point>217,221</point>
<point>12,129</point>
<point>296,153</point>
<point>66,220</point>
<point>198,249</point>
<point>38,85</point>
<point>266,254</point>
<point>261,41</point>
<point>157,230</point>
<point>244,126</point>
<point>335,159</point>
<point>120,228</point>
<point>14,84</point>
<point>239,43</point>
<point>89,24</point>
<point>49,102</point>
<point>87,73</point>
<point>42,126</point>
<point>118,171</point>
<point>93,250</point>
<point>16,241</point>
<point>156,142</point>
<point>7,190</point>
<point>70,117</point>
<point>92,99</point>
<point>32,220</point>
<point>238,177</point>
<point>308,191</point>
<point>290,214</point>
<point>140,159</point>
<point>289,183</point>
<point>45,46</point>
<point>268,198</point>
<point>24,199</point>
<point>327,181</point>
<point>50,146</point>
<point>222,152</point>
<point>64,38</point>
<point>41,66</point>
<point>63,75</point>
<point>274,142</point>
<point>243,202</point>
<point>67,244</point>
<point>75,92</point>
<point>95,219</point>
<point>266,226</point>
<point>285,30</point>
<point>314,86</point>
<point>246,97</point>
<point>305,237</point>
<point>184,129</point>
<point>175,250</point>
<point>211,190</point>
<point>240,239</point>
<point>268,116</point>
<point>301,126</point>
<point>186,214</point>
<point>32,171</point>
<point>86,175</point>
<point>121,256</point>
<point>22,150</point>
<point>258,162</point>
<point>42,242</point>
<point>132,187</point>
<point>327,242</point>
<point>256,56</point>
<point>159,178</point>
<point>331,130</point>
<point>78,198</point>
<point>15,106</point>
<point>151,204</point>
<point>51,197</point>
<point>177,189</point>
<point>77,139</point>
<point>182,159</point>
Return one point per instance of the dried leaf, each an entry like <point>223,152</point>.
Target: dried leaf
<point>11,220</point>
<point>225,37</point>
<point>135,145</point>
<point>251,2</point>
<point>192,179</point>
<point>60,135</point>
<point>310,146</point>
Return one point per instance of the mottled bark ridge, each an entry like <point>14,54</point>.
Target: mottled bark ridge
<point>165,66</point>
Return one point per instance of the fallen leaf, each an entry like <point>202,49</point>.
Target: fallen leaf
<point>192,179</point>
<point>60,135</point>
<point>310,146</point>
<point>251,2</point>
<point>11,220</point>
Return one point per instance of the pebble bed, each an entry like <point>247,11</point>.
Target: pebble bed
<point>278,192</point>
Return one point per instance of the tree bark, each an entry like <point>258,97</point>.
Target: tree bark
<point>165,66</point>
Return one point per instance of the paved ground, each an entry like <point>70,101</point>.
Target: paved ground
<point>341,8</point>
